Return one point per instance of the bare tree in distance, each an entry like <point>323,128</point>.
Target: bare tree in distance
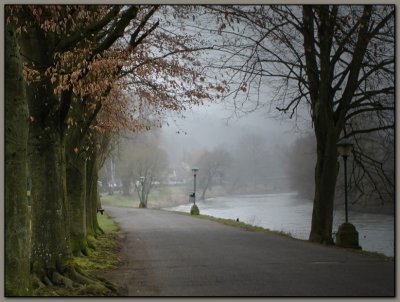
<point>335,61</point>
<point>258,165</point>
<point>213,166</point>
<point>139,157</point>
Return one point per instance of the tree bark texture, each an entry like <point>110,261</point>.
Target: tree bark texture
<point>76,179</point>
<point>50,223</point>
<point>92,197</point>
<point>17,231</point>
<point>76,192</point>
<point>47,164</point>
<point>326,171</point>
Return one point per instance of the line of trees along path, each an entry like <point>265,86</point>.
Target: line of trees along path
<point>68,69</point>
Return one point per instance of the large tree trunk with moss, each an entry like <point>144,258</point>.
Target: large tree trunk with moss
<point>76,178</point>
<point>50,224</point>
<point>50,233</point>
<point>76,190</point>
<point>92,197</point>
<point>51,258</point>
<point>16,201</point>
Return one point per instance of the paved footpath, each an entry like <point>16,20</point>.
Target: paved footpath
<point>168,254</point>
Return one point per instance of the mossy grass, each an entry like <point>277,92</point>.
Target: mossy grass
<point>106,224</point>
<point>118,200</point>
<point>102,257</point>
<point>194,210</point>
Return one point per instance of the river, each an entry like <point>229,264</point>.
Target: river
<point>291,214</point>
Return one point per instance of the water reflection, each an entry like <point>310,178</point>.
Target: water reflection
<point>291,214</point>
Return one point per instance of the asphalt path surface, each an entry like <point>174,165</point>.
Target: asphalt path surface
<point>170,254</point>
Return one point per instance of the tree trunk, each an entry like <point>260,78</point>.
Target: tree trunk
<point>50,224</point>
<point>76,176</point>
<point>89,200</point>
<point>326,169</point>
<point>126,186</point>
<point>325,126</point>
<point>76,190</point>
<point>92,197</point>
<point>203,194</point>
<point>326,172</point>
<point>16,200</point>
<point>51,252</point>
<point>205,188</point>
<point>328,120</point>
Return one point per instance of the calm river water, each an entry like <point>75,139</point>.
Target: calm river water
<point>291,214</point>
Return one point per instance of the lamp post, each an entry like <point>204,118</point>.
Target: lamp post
<point>142,203</point>
<point>194,170</point>
<point>347,235</point>
<point>194,210</point>
<point>344,148</point>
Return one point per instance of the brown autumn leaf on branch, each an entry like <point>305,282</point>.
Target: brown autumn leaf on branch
<point>159,70</point>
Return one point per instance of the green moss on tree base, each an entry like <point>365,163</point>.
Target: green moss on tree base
<point>13,290</point>
<point>78,277</point>
<point>194,210</point>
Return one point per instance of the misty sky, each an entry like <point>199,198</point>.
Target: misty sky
<point>209,126</point>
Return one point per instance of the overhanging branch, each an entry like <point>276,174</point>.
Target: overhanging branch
<point>350,134</point>
<point>70,42</point>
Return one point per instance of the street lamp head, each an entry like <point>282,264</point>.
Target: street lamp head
<point>344,147</point>
<point>195,170</point>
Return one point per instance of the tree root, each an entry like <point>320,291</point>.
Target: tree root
<point>79,276</point>
<point>99,231</point>
<point>36,282</point>
<point>92,286</point>
<point>68,278</point>
<point>82,247</point>
<point>60,282</point>
<point>59,279</point>
<point>91,242</point>
<point>47,281</point>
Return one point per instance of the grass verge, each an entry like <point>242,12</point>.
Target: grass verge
<point>106,224</point>
<point>252,228</point>
<point>239,224</point>
<point>104,256</point>
<point>118,200</point>
<point>374,254</point>
<point>159,197</point>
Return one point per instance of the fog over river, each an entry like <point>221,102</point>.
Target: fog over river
<point>290,213</point>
